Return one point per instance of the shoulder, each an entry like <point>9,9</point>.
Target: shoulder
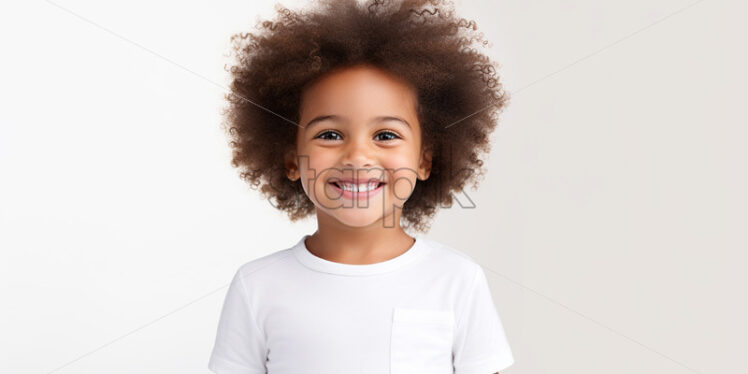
<point>452,257</point>
<point>265,264</point>
<point>448,251</point>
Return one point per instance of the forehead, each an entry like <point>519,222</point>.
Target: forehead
<point>359,91</point>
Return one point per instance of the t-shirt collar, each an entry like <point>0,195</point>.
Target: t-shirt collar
<point>313,262</point>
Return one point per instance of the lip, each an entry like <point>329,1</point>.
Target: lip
<point>356,195</point>
<point>356,181</point>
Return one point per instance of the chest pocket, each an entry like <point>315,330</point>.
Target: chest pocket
<point>421,341</point>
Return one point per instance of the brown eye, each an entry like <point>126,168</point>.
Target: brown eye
<point>324,133</point>
<point>391,135</point>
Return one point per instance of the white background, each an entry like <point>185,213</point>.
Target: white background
<point>611,223</point>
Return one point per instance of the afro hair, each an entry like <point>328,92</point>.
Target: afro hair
<point>459,95</point>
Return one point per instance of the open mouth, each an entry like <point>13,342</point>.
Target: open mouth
<point>349,190</point>
<point>340,185</point>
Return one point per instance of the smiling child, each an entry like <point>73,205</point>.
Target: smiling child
<point>363,115</point>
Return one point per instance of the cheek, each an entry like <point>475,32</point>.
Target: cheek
<point>404,181</point>
<point>315,168</point>
<point>399,160</point>
<point>403,173</point>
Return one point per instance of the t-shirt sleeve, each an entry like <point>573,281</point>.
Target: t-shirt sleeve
<point>239,346</point>
<point>480,345</point>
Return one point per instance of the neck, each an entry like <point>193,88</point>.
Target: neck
<point>334,241</point>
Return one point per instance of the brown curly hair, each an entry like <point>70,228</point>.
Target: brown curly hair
<point>421,41</point>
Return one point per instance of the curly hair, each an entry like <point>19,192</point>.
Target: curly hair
<point>421,41</point>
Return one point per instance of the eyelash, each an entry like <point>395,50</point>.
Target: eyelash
<point>379,133</point>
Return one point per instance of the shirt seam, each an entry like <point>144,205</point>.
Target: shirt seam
<point>470,297</point>
<point>249,311</point>
<point>499,359</point>
<point>226,362</point>
<point>414,260</point>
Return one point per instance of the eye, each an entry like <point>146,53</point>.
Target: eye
<point>324,133</point>
<point>394,136</point>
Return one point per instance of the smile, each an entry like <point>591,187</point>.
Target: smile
<point>357,191</point>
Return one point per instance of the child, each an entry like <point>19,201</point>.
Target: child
<point>361,115</point>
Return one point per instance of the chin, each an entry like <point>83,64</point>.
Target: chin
<point>353,218</point>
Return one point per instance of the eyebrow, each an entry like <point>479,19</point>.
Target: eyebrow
<point>337,118</point>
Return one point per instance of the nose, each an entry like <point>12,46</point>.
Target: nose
<point>358,153</point>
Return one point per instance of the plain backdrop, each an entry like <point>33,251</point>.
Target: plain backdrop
<point>611,223</point>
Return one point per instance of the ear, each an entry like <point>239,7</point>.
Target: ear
<point>424,169</point>
<point>291,165</point>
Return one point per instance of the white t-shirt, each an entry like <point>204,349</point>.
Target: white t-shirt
<point>428,310</point>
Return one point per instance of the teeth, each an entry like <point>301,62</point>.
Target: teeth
<point>359,187</point>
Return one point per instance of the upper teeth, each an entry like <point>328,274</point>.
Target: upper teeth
<point>359,187</point>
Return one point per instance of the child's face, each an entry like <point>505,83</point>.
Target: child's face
<point>355,144</point>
